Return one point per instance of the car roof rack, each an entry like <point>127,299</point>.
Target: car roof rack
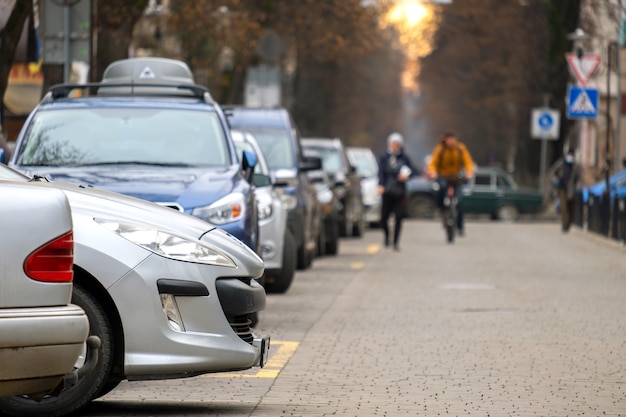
<point>60,91</point>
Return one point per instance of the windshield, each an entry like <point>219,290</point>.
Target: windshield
<point>276,147</point>
<point>331,158</point>
<point>152,136</point>
<point>365,163</point>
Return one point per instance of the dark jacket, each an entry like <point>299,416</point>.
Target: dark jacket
<point>566,177</point>
<point>389,167</point>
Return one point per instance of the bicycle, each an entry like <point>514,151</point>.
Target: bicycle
<point>450,207</point>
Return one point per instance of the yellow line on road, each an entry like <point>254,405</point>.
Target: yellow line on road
<point>277,361</point>
<point>369,250</point>
<point>372,249</point>
<point>357,265</point>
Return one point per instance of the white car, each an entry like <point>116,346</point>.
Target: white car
<point>367,166</point>
<point>168,295</point>
<point>277,243</point>
<point>41,333</point>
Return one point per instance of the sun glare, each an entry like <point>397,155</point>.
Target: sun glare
<point>415,24</point>
<point>409,12</point>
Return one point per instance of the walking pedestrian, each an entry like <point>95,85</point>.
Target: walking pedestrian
<point>394,169</point>
<point>566,177</point>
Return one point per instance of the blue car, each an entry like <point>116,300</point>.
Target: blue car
<point>617,184</point>
<point>149,132</point>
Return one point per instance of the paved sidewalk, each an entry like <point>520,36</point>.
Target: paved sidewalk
<point>513,320</point>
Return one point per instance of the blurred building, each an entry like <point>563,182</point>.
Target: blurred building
<point>604,138</point>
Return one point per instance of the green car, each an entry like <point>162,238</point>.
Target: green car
<point>491,191</point>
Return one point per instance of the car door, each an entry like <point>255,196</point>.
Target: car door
<point>481,196</point>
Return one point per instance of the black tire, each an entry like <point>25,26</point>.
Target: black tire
<point>450,226</point>
<point>421,207</point>
<point>358,227</point>
<point>321,240</point>
<point>508,213</point>
<point>332,241</point>
<point>88,387</point>
<point>343,228</point>
<point>282,279</point>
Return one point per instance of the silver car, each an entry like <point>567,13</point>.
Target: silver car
<point>367,166</point>
<point>41,333</point>
<point>277,242</point>
<point>168,295</point>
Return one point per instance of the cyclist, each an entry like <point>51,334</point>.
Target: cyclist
<point>451,161</point>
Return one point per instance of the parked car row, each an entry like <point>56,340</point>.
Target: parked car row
<point>183,214</point>
<point>170,289</point>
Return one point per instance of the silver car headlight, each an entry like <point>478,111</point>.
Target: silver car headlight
<point>289,201</point>
<point>265,209</point>
<point>225,210</point>
<point>168,244</point>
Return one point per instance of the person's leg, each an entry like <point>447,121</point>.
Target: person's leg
<point>564,209</point>
<point>570,212</point>
<point>458,191</point>
<point>441,195</point>
<point>398,212</point>
<point>384,217</point>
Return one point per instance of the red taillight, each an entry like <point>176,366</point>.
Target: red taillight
<point>53,261</point>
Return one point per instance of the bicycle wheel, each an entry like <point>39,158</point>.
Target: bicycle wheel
<point>450,224</point>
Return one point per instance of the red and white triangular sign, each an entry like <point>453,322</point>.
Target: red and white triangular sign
<point>583,67</point>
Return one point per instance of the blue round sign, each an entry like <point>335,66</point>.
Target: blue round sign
<point>545,121</point>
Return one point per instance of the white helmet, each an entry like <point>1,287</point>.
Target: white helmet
<point>395,137</point>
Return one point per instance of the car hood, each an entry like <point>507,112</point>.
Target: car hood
<point>189,187</point>
<point>96,203</point>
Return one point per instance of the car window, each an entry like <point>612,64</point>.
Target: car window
<point>331,158</point>
<point>276,146</point>
<point>482,180</point>
<point>124,135</point>
<point>365,163</point>
<point>503,182</point>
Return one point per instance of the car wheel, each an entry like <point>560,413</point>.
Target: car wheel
<point>321,240</point>
<point>88,387</point>
<point>421,207</point>
<point>281,280</point>
<point>508,213</point>
<point>332,242</point>
<point>358,227</point>
<point>343,228</point>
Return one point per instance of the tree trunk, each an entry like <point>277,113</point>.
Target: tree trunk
<point>115,21</point>
<point>9,38</point>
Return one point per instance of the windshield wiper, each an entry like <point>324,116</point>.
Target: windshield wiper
<point>156,164</point>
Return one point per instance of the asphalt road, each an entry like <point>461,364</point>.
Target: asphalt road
<point>511,320</point>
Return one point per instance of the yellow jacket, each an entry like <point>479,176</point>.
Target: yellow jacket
<point>448,162</point>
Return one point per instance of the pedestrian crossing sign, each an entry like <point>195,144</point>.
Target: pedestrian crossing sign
<point>582,103</point>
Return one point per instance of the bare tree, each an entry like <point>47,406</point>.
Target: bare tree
<point>9,38</point>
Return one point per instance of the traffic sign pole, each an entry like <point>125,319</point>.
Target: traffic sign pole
<point>545,126</point>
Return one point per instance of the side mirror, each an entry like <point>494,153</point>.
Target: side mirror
<point>284,177</point>
<point>310,163</point>
<point>261,180</point>
<point>248,162</point>
<point>340,178</point>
